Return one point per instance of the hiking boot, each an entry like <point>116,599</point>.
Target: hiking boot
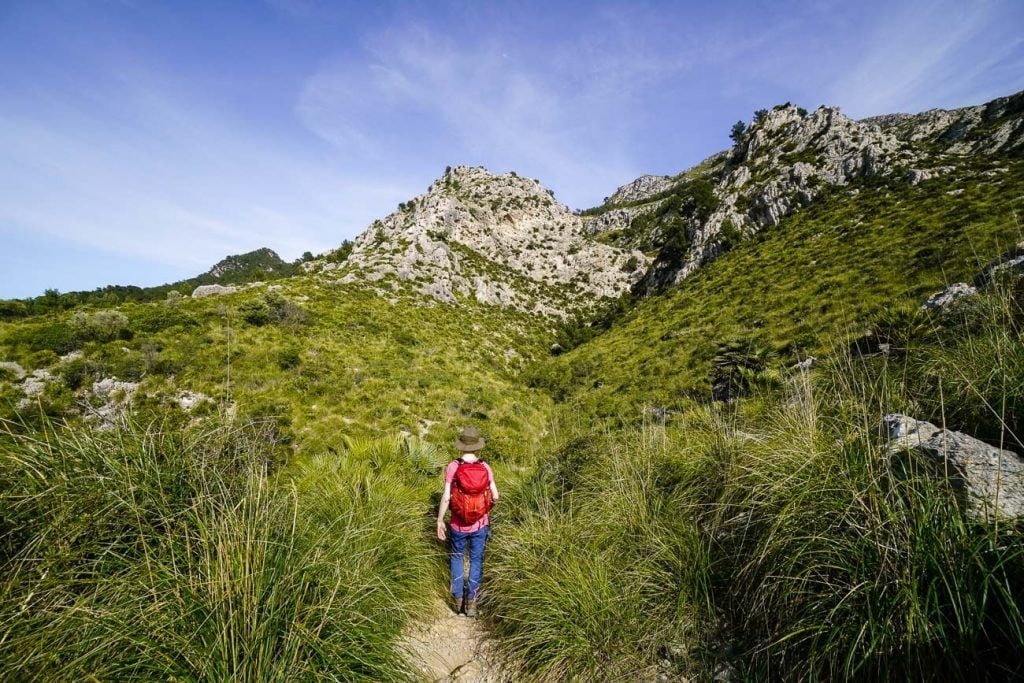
<point>457,606</point>
<point>471,608</point>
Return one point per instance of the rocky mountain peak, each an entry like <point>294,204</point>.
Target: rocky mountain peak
<point>781,163</point>
<point>835,146</point>
<point>263,260</point>
<point>502,239</point>
<point>641,188</point>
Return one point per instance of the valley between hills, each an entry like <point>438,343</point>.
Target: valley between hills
<point>759,420</point>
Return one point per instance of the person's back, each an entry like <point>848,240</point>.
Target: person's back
<point>469,491</point>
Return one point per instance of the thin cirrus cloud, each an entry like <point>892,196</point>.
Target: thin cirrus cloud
<point>166,183</point>
<point>925,54</point>
<point>485,103</point>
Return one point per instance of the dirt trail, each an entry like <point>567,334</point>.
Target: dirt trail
<point>452,648</point>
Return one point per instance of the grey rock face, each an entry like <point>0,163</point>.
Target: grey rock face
<point>785,161</point>
<point>641,189</point>
<point>947,296</point>
<point>212,290</point>
<point>616,219</point>
<point>788,157</point>
<point>1011,260</point>
<point>501,239</point>
<point>993,128</point>
<point>993,479</point>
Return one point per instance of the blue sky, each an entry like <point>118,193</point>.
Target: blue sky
<point>142,141</point>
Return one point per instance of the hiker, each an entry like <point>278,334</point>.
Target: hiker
<point>470,490</point>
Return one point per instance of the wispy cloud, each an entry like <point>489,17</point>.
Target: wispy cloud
<point>171,181</point>
<point>921,53</point>
<point>558,115</point>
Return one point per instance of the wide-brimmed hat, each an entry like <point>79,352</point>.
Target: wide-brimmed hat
<point>469,440</point>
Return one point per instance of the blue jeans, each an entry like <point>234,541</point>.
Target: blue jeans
<point>474,542</point>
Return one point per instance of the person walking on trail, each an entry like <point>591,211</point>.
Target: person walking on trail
<point>469,492</point>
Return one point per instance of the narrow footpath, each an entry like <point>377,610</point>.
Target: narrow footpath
<point>452,648</point>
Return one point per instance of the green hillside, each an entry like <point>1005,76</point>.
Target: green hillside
<point>259,265</point>
<point>806,287</point>
<point>241,486</point>
<point>309,359</point>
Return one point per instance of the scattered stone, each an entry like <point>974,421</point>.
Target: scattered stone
<point>1010,260</point>
<point>14,368</point>
<point>212,290</point>
<point>992,478</point>
<point>117,398</point>
<point>35,384</point>
<point>806,364</point>
<point>187,400</point>
<point>111,387</point>
<point>954,292</point>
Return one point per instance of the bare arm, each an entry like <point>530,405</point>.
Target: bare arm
<point>446,496</point>
<point>494,491</point>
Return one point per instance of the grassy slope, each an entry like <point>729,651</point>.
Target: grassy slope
<point>644,514</point>
<point>800,287</point>
<point>359,364</point>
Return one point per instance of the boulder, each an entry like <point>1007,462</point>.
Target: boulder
<point>211,290</point>
<point>954,292</point>
<point>14,368</point>
<point>1010,260</point>
<point>992,478</point>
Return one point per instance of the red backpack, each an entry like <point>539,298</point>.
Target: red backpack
<point>471,492</point>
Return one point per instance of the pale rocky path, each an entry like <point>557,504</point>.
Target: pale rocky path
<point>452,648</point>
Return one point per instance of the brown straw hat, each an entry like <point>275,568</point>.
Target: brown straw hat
<point>470,440</point>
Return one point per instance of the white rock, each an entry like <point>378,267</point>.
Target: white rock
<point>187,400</point>
<point>640,189</point>
<point>992,478</point>
<point>496,238</point>
<point>212,290</point>
<point>14,368</point>
<point>954,292</point>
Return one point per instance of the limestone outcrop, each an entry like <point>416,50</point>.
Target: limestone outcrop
<point>783,162</point>
<point>501,240</point>
<point>992,478</point>
<point>640,189</point>
<point>212,290</point>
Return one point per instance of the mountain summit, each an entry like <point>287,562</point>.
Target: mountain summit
<point>782,162</point>
<point>501,239</point>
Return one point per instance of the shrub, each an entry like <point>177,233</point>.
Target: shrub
<point>101,326</point>
<point>255,312</point>
<point>11,309</point>
<point>288,357</point>
<point>56,338</point>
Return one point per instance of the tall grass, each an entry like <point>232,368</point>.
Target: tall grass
<point>150,555</point>
<point>781,535</point>
<point>596,579</point>
<point>838,559</point>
